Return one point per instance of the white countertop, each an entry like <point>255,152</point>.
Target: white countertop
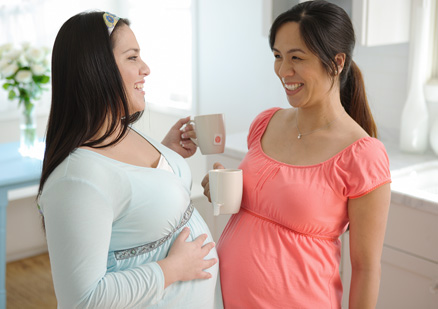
<point>236,148</point>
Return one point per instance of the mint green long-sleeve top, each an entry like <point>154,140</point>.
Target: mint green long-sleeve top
<point>107,225</point>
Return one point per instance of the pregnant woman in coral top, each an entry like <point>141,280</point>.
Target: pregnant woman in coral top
<point>311,172</point>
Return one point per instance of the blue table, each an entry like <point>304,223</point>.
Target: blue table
<point>15,172</point>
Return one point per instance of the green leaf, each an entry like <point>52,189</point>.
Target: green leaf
<point>44,79</point>
<point>6,86</point>
<point>12,95</point>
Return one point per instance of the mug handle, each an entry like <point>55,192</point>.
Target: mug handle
<point>217,208</point>
<point>194,140</point>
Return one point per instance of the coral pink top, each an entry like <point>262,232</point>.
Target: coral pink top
<point>282,250</point>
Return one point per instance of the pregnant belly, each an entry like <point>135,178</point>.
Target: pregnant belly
<point>263,265</point>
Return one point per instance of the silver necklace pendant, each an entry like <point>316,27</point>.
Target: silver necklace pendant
<point>299,136</point>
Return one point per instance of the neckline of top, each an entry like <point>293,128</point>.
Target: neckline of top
<point>265,125</point>
<point>116,161</point>
<point>125,163</point>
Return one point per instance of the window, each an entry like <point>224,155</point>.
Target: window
<point>165,32</point>
<point>21,21</point>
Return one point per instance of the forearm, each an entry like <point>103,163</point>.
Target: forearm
<point>142,285</point>
<point>364,288</point>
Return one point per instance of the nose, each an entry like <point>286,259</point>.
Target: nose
<point>285,69</point>
<point>144,69</point>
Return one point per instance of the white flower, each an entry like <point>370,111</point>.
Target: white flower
<point>3,63</point>
<point>25,45</point>
<point>5,47</point>
<point>18,68</point>
<point>12,54</point>
<point>38,69</point>
<point>46,50</point>
<point>9,70</point>
<point>35,55</point>
<point>46,63</point>
<point>24,76</point>
<point>23,61</point>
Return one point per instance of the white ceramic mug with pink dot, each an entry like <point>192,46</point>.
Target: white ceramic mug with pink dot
<point>210,133</point>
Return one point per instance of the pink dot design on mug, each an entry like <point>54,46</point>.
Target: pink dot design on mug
<point>217,139</point>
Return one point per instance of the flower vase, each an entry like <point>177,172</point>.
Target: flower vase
<point>415,117</point>
<point>28,133</point>
<point>434,136</point>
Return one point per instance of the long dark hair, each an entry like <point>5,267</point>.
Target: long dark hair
<point>327,31</point>
<point>87,90</point>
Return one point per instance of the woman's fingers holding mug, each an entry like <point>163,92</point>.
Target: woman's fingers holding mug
<point>206,186</point>
<point>205,181</point>
<point>181,122</point>
<point>217,165</point>
<point>188,132</point>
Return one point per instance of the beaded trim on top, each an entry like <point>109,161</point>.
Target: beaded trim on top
<point>129,253</point>
<point>110,21</point>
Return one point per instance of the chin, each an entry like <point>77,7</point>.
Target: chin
<point>137,107</point>
<point>293,103</point>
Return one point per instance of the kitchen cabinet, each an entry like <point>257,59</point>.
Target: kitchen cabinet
<point>376,22</point>
<point>379,22</point>
<point>409,260</point>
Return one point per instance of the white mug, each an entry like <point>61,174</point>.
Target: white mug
<point>210,133</point>
<point>225,190</point>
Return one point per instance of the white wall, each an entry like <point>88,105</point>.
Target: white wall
<point>385,70</point>
<point>236,77</point>
<point>236,74</point>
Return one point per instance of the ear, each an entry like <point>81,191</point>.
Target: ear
<point>340,61</point>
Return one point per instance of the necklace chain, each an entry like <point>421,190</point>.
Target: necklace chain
<point>318,129</point>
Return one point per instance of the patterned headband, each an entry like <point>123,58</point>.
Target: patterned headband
<point>110,21</point>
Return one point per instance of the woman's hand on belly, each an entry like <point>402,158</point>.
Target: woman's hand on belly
<point>185,260</point>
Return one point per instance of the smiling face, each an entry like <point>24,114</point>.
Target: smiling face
<point>132,68</point>
<point>301,72</point>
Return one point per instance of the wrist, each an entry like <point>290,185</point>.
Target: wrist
<point>169,271</point>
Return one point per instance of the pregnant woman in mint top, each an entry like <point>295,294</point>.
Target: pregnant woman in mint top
<point>120,226</point>
<point>310,172</point>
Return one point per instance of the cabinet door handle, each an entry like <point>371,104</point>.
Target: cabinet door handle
<point>434,288</point>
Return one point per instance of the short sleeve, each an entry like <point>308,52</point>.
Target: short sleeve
<point>259,125</point>
<point>365,168</point>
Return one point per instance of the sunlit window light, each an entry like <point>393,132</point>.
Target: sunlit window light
<point>164,30</point>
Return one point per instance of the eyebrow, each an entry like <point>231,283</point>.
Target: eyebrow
<point>131,49</point>
<point>290,51</point>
